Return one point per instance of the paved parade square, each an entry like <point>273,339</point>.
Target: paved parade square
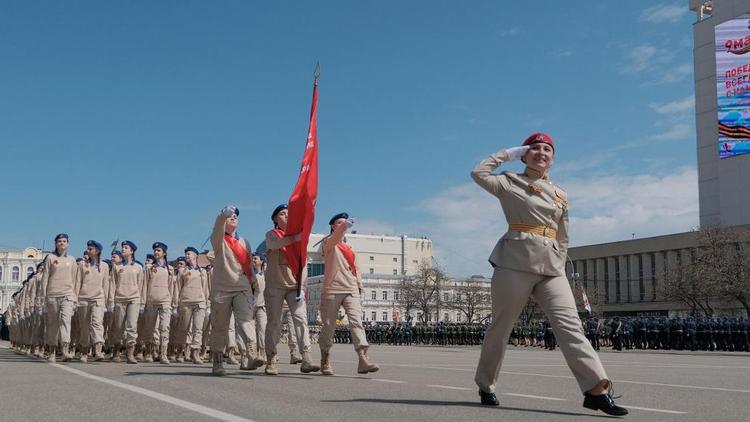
<point>414,384</point>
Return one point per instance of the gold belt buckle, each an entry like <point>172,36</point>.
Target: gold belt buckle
<point>544,231</point>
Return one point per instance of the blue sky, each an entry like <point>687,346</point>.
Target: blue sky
<point>142,119</point>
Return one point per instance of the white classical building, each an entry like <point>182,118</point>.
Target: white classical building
<point>15,266</point>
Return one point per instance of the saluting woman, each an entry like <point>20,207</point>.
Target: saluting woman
<point>530,259</point>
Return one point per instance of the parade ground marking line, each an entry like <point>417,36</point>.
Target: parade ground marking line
<point>448,387</point>
<point>217,414</point>
<point>529,396</point>
<point>648,409</point>
<point>389,381</point>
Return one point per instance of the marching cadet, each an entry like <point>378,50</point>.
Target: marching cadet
<point>37,336</point>
<point>58,284</point>
<point>261,319</point>
<point>342,286</point>
<point>530,259</point>
<point>125,292</point>
<point>115,259</point>
<point>140,344</point>
<point>92,284</point>
<point>157,296</point>
<point>191,290</point>
<point>232,290</point>
<point>281,287</point>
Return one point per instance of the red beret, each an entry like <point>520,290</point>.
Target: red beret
<point>538,137</point>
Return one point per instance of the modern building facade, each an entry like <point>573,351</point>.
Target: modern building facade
<point>15,266</point>
<point>722,183</point>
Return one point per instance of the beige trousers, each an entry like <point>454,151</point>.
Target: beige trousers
<point>261,321</point>
<point>90,323</point>
<point>125,323</point>
<point>190,321</point>
<point>156,324</point>
<point>510,291</point>
<point>329,309</point>
<point>291,338</point>
<point>59,314</point>
<point>223,305</point>
<point>275,299</point>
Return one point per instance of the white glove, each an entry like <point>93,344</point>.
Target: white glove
<point>349,222</point>
<point>229,210</point>
<point>142,309</point>
<point>174,311</point>
<point>516,153</point>
<point>301,296</point>
<point>110,307</point>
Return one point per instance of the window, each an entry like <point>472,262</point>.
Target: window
<point>617,279</point>
<point>374,316</point>
<point>653,276</point>
<point>385,294</point>
<point>414,261</point>
<point>606,280</point>
<point>372,258</point>
<point>373,295</point>
<point>385,316</point>
<point>29,271</point>
<point>15,274</point>
<point>315,269</point>
<point>445,317</point>
<point>395,296</point>
<point>1,273</point>
<point>372,270</point>
<point>395,259</point>
<point>395,271</point>
<point>640,279</point>
<point>458,317</point>
<point>446,297</point>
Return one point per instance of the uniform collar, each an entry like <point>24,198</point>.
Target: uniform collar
<point>535,174</point>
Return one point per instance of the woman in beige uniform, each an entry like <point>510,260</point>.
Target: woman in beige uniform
<point>157,295</point>
<point>58,288</point>
<point>125,294</point>
<point>342,286</point>
<point>530,259</point>
<point>91,287</point>
<point>261,319</point>
<point>191,290</point>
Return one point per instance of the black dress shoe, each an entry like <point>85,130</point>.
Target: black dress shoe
<point>605,403</point>
<point>488,399</point>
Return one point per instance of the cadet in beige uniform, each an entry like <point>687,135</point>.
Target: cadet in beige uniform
<point>192,292</point>
<point>261,319</point>
<point>157,296</point>
<point>58,285</point>
<point>115,259</point>
<point>342,286</point>
<point>125,292</point>
<point>231,290</point>
<point>530,259</point>
<point>281,287</point>
<point>91,287</point>
<point>37,319</point>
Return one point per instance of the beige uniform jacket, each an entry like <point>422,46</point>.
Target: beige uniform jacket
<point>278,272</point>
<point>192,287</point>
<point>228,275</point>
<point>58,279</point>
<point>260,280</point>
<point>126,284</point>
<point>159,285</point>
<point>93,283</point>
<point>528,199</point>
<point>338,277</point>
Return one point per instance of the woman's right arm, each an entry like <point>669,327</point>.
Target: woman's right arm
<point>496,184</point>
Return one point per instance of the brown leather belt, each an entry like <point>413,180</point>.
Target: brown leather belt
<point>530,228</point>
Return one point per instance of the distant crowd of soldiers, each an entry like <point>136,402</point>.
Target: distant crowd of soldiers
<point>406,334</point>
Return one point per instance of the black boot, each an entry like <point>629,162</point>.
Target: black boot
<point>604,402</point>
<point>488,399</point>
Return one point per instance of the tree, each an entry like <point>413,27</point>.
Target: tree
<point>470,298</point>
<point>422,290</point>
<point>723,260</point>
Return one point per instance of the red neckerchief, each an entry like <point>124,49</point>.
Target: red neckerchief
<point>241,253</point>
<point>348,255</point>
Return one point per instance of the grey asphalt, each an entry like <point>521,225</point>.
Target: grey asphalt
<point>414,383</point>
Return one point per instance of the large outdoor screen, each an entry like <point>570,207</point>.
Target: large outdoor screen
<point>733,86</point>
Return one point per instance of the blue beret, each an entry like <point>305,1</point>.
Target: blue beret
<point>159,245</point>
<point>151,257</point>
<point>262,256</point>
<point>129,243</point>
<point>337,216</point>
<point>61,236</point>
<point>278,209</point>
<point>79,259</point>
<point>118,253</point>
<point>181,259</point>
<point>191,249</point>
<point>108,261</point>
<point>95,244</point>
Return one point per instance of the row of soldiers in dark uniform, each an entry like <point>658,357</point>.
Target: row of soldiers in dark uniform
<point>406,334</point>
<point>710,334</point>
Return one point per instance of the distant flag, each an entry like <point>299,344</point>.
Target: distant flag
<point>585,300</point>
<point>114,244</point>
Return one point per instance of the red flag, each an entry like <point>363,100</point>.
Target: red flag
<point>302,201</point>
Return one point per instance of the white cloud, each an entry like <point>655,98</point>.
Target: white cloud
<point>664,13</point>
<point>509,32</point>
<point>465,222</point>
<point>675,132</point>
<point>675,73</point>
<point>683,105</point>
<point>640,57</point>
